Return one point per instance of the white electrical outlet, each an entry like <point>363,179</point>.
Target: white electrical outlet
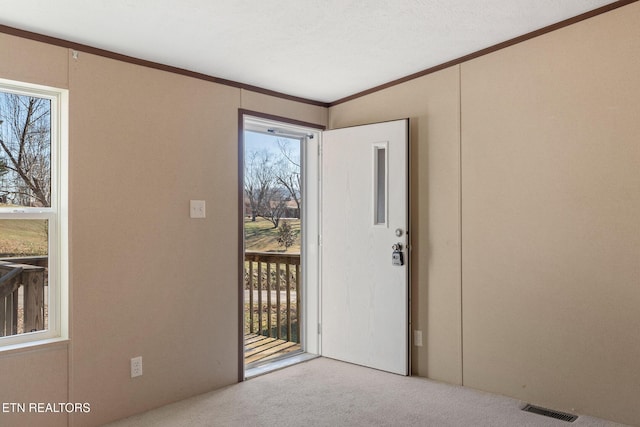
<point>197,209</point>
<point>417,338</point>
<point>136,367</point>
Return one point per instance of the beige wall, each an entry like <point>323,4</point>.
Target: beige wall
<point>32,62</point>
<point>550,217</point>
<point>33,376</point>
<point>254,101</point>
<point>524,204</point>
<point>545,138</point>
<point>145,279</point>
<point>40,374</point>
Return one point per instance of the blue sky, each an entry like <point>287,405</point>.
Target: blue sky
<point>254,141</point>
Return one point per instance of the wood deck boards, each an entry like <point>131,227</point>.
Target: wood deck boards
<point>258,348</point>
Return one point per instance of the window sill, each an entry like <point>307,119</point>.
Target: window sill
<point>34,346</point>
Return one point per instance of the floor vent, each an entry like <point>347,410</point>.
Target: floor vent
<point>550,413</point>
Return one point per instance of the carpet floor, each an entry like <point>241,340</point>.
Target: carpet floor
<point>325,392</point>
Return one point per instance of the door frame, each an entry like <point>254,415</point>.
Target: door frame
<point>307,327</point>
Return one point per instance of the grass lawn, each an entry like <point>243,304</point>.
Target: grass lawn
<point>262,237</point>
<point>22,237</point>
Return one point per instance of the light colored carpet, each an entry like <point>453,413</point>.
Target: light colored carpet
<point>325,392</point>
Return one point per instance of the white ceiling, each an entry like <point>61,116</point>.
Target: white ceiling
<point>322,50</point>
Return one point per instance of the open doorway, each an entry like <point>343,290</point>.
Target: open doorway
<point>279,258</point>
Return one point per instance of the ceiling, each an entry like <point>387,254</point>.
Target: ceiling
<point>322,50</point>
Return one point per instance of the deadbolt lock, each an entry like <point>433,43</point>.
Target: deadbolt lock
<point>397,257</point>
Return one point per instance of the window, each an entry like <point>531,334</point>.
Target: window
<point>33,213</point>
<point>380,184</point>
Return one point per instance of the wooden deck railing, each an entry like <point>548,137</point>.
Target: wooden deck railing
<point>22,295</point>
<point>272,294</point>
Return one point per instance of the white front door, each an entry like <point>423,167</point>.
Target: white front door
<point>364,296</point>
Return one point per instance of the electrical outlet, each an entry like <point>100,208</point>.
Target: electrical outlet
<point>417,338</point>
<point>197,209</point>
<point>136,367</point>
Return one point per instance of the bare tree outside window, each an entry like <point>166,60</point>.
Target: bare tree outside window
<point>272,182</point>
<point>258,181</point>
<point>288,171</point>
<point>3,171</point>
<point>25,150</point>
<point>275,206</point>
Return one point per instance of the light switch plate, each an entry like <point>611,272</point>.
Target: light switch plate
<point>417,338</point>
<point>197,209</point>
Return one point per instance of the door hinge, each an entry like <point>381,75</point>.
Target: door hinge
<point>319,328</point>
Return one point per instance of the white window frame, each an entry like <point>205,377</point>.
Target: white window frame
<point>57,215</point>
